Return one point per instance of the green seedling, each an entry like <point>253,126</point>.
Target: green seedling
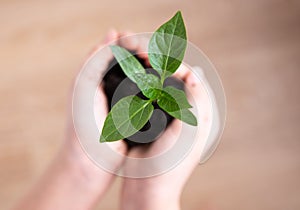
<point>166,50</point>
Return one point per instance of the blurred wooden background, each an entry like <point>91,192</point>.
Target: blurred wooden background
<point>255,46</point>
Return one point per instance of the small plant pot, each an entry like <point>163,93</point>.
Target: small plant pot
<point>116,84</point>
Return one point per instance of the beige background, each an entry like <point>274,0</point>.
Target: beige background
<point>255,46</point>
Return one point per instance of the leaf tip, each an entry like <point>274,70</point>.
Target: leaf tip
<point>194,122</point>
<point>102,139</point>
<point>178,13</point>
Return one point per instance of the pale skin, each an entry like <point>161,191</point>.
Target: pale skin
<point>73,181</point>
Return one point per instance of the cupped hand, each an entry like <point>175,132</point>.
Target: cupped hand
<point>156,192</point>
<point>96,178</point>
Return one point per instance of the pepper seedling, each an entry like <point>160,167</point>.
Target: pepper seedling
<point>166,51</point>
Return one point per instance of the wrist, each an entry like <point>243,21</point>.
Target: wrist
<point>75,168</point>
<point>82,170</point>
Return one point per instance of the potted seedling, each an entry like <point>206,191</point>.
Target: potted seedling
<point>156,86</point>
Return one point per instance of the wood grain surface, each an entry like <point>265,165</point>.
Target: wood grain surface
<point>255,45</point>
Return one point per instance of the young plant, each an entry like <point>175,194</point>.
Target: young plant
<point>166,50</point>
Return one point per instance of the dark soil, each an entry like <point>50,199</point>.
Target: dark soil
<point>159,120</point>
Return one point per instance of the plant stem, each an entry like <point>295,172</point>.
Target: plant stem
<point>150,101</point>
<point>162,78</point>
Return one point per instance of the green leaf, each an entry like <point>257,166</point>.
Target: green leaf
<point>167,46</point>
<point>172,99</point>
<point>149,84</point>
<point>185,115</point>
<point>129,64</point>
<point>126,117</point>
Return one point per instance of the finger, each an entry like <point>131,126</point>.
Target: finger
<point>95,66</point>
<point>198,95</point>
<point>98,59</point>
<point>165,142</point>
<point>119,147</point>
<point>100,107</point>
<point>168,138</point>
<point>200,100</point>
<point>112,35</point>
<point>182,72</point>
<point>128,40</point>
<point>101,110</point>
